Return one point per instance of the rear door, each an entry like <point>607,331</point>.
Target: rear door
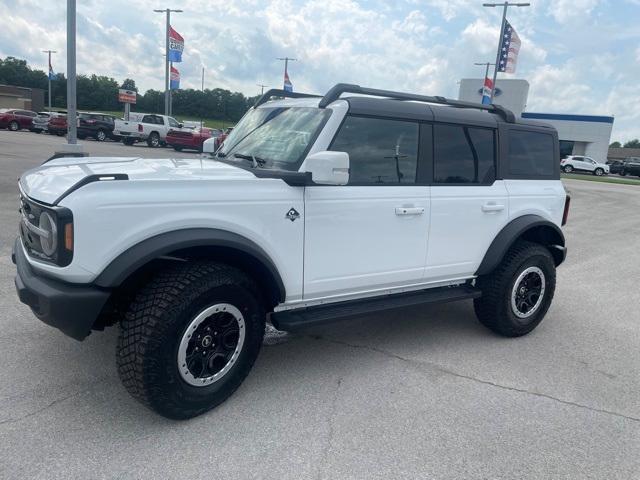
<point>371,234</point>
<point>468,205</point>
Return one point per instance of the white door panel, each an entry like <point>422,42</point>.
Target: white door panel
<point>464,221</point>
<point>359,238</point>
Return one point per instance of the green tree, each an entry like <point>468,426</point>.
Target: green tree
<point>615,145</point>
<point>635,143</point>
<point>129,84</point>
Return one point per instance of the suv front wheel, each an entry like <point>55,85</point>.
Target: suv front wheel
<point>518,293</point>
<point>190,337</point>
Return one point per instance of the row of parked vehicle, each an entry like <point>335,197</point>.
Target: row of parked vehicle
<point>155,130</point>
<point>579,163</point>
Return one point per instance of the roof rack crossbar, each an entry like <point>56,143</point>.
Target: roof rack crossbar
<point>276,92</point>
<point>334,94</point>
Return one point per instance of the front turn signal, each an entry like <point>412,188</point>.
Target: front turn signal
<point>68,237</point>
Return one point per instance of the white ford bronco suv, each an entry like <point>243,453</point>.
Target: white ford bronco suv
<point>315,208</point>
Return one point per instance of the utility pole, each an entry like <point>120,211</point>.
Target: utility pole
<point>504,6</point>
<point>167,91</point>
<point>261,88</point>
<point>72,138</point>
<point>49,73</point>
<point>485,64</point>
<point>286,63</point>
<point>201,121</point>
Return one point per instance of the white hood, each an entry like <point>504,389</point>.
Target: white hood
<point>50,181</point>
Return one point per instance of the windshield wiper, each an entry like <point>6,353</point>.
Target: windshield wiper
<point>255,161</point>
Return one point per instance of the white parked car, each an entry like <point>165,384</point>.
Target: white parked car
<point>150,128</point>
<point>583,164</point>
<point>313,209</point>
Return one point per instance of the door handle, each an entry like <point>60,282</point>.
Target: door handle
<point>492,207</point>
<point>409,210</point>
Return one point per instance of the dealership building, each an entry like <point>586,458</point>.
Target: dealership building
<point>588,135</point>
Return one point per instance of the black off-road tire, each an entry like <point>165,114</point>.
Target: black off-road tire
<point>152,328</point>
<point>494,309</point>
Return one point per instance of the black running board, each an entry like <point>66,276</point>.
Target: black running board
<point>306,317</point>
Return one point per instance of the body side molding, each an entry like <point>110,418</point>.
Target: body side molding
<point>135,257</point>
<point>550,235</point>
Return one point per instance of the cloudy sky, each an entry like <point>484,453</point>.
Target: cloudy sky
<point>580,56</point>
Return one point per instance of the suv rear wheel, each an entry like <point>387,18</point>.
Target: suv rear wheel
<point>518,293</point>
<point>190,337</point>
<point>567,169</point>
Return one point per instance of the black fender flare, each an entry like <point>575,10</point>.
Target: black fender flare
<point>546,232</point>
<point>157,246</point>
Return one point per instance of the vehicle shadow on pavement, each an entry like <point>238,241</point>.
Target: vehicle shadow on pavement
<point>80,378</point>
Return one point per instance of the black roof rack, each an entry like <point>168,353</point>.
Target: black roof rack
<point>334,94</point>
<point>276,92</point>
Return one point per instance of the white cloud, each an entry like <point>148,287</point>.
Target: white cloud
<point>570,10</point>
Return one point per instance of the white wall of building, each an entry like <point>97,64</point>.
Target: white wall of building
<point>510,93</point>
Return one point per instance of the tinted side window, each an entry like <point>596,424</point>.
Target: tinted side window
<point>380,151</point>
<point>531,153</point>
<point>148,119</point>
<point>463,154</point>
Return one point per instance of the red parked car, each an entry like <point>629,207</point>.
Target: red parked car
<point>57,125</point>
<point>14,119</point>
<point>188,139</point>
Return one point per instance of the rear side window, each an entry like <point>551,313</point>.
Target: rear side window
<point>531,153</point>
<point>380,151</point>
<point>463,154</point>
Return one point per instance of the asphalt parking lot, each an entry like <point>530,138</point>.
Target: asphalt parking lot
<point>420,393</point>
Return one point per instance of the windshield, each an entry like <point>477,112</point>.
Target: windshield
<point>279,137</point>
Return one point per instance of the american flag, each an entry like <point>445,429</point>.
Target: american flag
<point>509,49</point>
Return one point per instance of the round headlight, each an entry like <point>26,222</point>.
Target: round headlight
<point>48,224</point>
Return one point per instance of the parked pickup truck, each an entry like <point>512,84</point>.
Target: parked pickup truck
<point>151,128</point>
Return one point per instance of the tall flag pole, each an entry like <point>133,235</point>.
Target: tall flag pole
<point>487,87</point>
<point>176,46</point>
<point>167,91</point>
<point>505,6</point>
<point>51,75</point>
<point>287,86</point>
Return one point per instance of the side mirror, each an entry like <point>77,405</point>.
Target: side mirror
<point>180,125</point>
<point>328,168</point>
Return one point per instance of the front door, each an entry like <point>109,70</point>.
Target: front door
<point>371,234</point>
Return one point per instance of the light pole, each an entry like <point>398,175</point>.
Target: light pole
<point>504,6</point>
<point>286,63</point>
<point>261,88</point>
<point>167,92</point>
<point>487,65</point>
<point>49,73</point>
<point>72,138</point>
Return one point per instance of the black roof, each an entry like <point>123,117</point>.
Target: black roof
<point>387,103</point>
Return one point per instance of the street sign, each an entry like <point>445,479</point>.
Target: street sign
<point>126,96</point>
